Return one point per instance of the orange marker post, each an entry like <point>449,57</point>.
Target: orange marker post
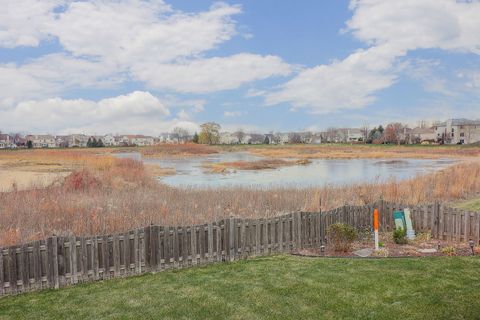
<point>375,227</point>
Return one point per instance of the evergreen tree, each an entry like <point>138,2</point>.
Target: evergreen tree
<point>195,138</point>
<point>89,143</point>
<point>29,144</point>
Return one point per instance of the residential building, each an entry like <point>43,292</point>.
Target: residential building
<point>422,135</point>
<point>42,141</point>
<point>6,141</point>
<point>458,131</point>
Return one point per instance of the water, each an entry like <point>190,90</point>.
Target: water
<point>320,172</point>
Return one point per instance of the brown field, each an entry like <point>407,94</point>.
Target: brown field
<point>223,167</point>
<point>102,194</point>
<point>337,151</point>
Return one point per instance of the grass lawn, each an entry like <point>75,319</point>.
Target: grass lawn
<point>279,287</point>
<point>470,205</point>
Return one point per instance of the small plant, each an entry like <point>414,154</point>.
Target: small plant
<point>400,236</point>
<point>381,252</point>
<point>341,235</point>
<point>449,251</point>
<point>381,244</point>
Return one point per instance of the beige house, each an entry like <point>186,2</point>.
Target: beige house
<point>458,131</point>
<point>422,135</point>
<point>42,141</point>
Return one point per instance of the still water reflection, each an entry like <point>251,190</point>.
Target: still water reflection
<point>321,172</point>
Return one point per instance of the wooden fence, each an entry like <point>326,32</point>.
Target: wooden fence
<point>61,261</point>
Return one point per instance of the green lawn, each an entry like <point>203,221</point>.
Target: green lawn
<point>280,287</point>
<point>470,205</point>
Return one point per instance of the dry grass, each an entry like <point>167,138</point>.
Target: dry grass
<point>223,167</point>
<point>336,151</point>
<point>113,195</point>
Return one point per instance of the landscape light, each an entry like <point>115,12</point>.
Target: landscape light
<point>322,249</point>
<point>472,245</point>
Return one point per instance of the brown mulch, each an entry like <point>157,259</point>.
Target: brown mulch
<point>393,250</point>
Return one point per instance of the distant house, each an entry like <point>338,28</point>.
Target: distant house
<point>109,140</point>
<point>77,141</point>
<point>458,131</point>
<point>6,141</point>
<point>139,140</point>
<point>422,135</point>
<point>61,141</point>
<point>42,141</point>
<point>166,138</point>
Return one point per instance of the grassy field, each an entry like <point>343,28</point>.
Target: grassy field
<point>280,287</point>
<point>471,205</point>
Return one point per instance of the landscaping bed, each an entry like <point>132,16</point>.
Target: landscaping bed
<point>423,246</point>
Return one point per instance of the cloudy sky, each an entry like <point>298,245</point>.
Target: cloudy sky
<point>146,66</point>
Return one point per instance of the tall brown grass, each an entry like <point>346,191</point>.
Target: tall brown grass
<point>121,195</point>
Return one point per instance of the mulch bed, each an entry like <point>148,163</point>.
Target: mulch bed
<point>391,249</point>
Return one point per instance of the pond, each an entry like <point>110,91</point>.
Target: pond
<point>320,172</point>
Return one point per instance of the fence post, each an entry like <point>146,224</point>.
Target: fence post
<point>53,261</point>
<point>297,229</point>
<point>231,238</point>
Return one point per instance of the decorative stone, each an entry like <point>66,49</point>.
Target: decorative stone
<point>363,252</point>
<point>432,250</point>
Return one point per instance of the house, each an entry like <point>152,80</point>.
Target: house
<point>109,140</point>
<point>6,141</point>
<point>61,141</point>
<point>166,138</point>
<point>77,141</point>
<point>42,141</point>
<point>422,135</point>
<point>138,140</point>
<point>458,131</point>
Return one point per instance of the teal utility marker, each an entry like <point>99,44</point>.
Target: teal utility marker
<point>399,219</point>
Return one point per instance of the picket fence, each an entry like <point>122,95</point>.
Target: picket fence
<point>61,261</point>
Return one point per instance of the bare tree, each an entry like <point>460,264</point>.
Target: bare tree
<point>240,135</point>
<point>180,134</point>
<point>365,129</point>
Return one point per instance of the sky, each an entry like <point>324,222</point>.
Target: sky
<point>145,66</point>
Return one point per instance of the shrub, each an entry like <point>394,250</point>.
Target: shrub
<point>400,236</point>
<point>449,251</point>
<point>341,236</point>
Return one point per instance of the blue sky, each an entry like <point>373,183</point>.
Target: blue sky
<point>125,66</point>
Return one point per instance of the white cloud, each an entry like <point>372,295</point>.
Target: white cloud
<point>213,74</point>
<point>127,31</point>
<point>345,84</point>
<point>392,29</point>
<point>136,112</point>
<point>51,75</point>
<point>232,114</point>
<point>23,22</point>
<point>413,24</point>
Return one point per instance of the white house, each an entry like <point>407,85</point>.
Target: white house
<point>109,140</point>
<point>42,141</point>
<point>6,141</point>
